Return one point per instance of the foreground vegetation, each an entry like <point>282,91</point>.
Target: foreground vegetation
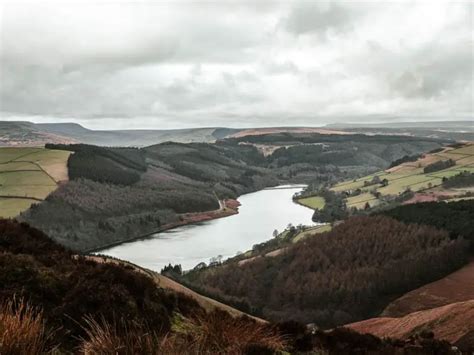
<point>66,301</point>
<point>55,302</point>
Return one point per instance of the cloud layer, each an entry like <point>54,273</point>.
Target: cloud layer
<point>187,64</point>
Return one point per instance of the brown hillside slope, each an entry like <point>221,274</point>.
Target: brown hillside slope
<point>455,287</point>
<point>207,303</point>
<point>453,322</point>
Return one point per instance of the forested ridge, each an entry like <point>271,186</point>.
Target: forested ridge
<point>455,217</point>
<point>341,276</point>
<point>101,205</point>
<point>115,194</point>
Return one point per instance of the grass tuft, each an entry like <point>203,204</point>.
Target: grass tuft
<point>22,329</point>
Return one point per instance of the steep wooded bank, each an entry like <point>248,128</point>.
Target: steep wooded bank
<point>52,301</point>
<point>116,194</point>
<point>337,277</point>
<point>103,203</point>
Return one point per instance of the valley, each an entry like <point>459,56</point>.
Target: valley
<point>117,194</point>
<point>228,228</point>
<point>236,177</point>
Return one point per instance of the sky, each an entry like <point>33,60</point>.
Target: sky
<point>176,64</point>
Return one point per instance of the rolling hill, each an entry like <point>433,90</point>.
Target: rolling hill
<point>414,175</point>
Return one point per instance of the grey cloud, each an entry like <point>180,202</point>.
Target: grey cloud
<point>318,16</point>
<point>439,69</point>
<point>256,63</point>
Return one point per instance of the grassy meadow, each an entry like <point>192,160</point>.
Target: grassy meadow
<point>28,175</point>
<point>314,202</point>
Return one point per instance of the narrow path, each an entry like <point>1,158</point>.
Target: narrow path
<point>21,197</point>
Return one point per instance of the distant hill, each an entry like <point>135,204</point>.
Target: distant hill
<point>451,125</point>
<point>18,133</point>
<point>27,134</point>
<point>138,138</point>
<point>455,130</point>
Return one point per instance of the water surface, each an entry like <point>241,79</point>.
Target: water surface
<point>260,214</point>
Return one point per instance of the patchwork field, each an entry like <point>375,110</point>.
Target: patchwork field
<point>314,202</point>
<point>28,175</point>
<point>409,175</point>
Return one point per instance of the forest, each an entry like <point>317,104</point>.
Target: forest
<point>404,159</point>
<point>121,166</point>
<point>439,165</point>
<point>455,217</point>
<point>54,302</point>
<point>288,137</point>
<point>340,276</point>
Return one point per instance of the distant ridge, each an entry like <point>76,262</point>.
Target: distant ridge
<point>21,133</point>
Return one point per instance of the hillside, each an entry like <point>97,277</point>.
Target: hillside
<point>38,134</point>
<point>452,323</point>
<point>116,194</point>
<point>56,302</point>
<point>454,130</point>
<point>419,174</point>
<point>28,176</point>
<point>79,297</point>
<point>336,277</point>
<point>166,283</point>
<point>455,287</point>
<point>27,134</point>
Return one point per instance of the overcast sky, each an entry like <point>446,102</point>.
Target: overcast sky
<point>157,64</point>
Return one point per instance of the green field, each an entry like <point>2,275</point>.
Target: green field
<point>312,231</point>
<point>27,176</point>
<point>410,177</point>
<point>359,201</point>
<point>314,202</point>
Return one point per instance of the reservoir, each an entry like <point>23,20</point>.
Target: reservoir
<point>259,215</point>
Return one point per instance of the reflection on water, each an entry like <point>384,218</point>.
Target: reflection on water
<point>260,214</point>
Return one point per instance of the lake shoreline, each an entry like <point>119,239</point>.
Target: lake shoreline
<point>188,242</point>
<point>228,207</point>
